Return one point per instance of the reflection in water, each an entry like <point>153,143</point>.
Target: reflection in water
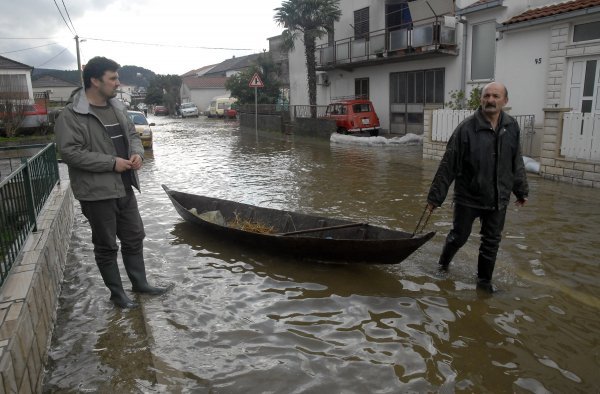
<point>242,321</point>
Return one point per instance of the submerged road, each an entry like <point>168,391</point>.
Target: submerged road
<point>239,321</point>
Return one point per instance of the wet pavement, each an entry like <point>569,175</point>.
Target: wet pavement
<point>240,321</point>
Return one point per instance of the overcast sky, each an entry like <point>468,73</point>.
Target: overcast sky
<point>165,36</point>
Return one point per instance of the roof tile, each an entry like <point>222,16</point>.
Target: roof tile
<point>551,10</point>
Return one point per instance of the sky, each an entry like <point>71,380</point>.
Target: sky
<point>164,36</point>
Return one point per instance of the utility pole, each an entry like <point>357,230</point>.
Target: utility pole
<point>79,61</point>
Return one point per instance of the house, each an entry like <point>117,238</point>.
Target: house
<point>200,86</point>
<point>405,55</point>
<point>58,90</point>
<point>410,56</point>
<point>15,80</point>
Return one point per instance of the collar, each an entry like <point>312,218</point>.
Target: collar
<point>484,124</point>
<point>82,105</point>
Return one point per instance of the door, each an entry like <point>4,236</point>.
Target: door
<point>584,85</point>
<point>409,92</point>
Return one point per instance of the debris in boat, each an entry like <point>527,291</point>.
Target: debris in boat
<point>247,225</point>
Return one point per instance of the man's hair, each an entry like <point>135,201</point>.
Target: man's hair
<point>96,68</point>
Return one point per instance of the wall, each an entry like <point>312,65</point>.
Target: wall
<point>522,63</point>
<point>556,167</point>
<point>29,297</point>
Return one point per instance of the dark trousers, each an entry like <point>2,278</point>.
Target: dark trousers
<point>492,224</point>
<point>112,218</point>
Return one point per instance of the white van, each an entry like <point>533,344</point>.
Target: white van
<point>219,105</point>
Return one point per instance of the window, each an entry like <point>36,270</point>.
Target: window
<point>361,23</point>
<point>586,31</point>
<point>13,86</point>
<point>483,51</point>
<point>361,87</point>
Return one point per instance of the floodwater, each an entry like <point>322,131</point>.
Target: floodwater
<point>240,321</point>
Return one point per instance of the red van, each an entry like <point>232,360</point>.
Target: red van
<point>354,116</point>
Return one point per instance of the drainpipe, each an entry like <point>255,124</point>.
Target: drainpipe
<point>463,67</point>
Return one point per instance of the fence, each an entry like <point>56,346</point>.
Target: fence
<point>444,121</point>
<point>22,196</point>
<point>581,136</point>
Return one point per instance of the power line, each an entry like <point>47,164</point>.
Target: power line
<point>27,49</point>
<point>63,18</point>
<point>165,45</point>
<point>52,58</point>
<point>69,16</point>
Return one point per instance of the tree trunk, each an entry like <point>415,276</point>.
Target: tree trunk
<point>311,73</point>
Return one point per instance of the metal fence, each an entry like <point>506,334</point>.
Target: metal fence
<point>23,194</point>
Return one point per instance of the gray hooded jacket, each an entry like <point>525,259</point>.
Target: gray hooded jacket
<point>90,153</point>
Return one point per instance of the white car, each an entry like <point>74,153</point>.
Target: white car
<point>188,109</point>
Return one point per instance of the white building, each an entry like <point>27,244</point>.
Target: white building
<point>404,55</point>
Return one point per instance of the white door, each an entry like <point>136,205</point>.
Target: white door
<point>584,85</point>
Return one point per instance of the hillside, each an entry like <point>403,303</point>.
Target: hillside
<point>128,75</point>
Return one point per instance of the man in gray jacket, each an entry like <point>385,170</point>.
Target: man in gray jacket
<point>103,152</point>
<point>483,159</point>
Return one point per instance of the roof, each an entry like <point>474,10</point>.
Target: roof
<point>480,5</point>
<point>552,10</point>
<point>6,64</point>
<point>198,71</point>
<point>193,82</point>
<point>234,64</point>
<point>49,81</point>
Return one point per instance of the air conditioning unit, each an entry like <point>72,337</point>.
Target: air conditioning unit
<point>323,79</point>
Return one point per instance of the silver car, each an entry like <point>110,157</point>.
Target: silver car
<point>188,109</point>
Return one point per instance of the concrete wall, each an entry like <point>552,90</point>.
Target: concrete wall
<point>29,297</point>
<point>321,128</point>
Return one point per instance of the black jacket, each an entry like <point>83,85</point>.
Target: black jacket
<point>486,166</point>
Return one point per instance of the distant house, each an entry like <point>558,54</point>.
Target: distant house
<point>15,80</point>
<point>200,86</point>
<point>58,90</point>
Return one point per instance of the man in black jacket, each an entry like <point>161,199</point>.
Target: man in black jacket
<point>483,159</point>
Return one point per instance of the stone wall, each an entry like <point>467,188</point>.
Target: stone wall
<point>29,297</point>
<point>433,150</point>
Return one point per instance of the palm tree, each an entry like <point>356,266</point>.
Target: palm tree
<point>308,20</point>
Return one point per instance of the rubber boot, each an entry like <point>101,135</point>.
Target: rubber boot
<point>112,280</point>
<point>446,257</point>
<point>136,271</point>
<point>485,269</point>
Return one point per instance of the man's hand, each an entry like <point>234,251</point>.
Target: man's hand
<point>122,165</point>
<point>430,207</point>
<point>521,202</point>
<point>136,162</point>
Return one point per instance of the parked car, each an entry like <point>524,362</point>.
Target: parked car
<point>161,110</point>
<point>188,109</point>
<point>31,116</point>
<point>142,127</point>
<point>230,111</point>
<point>354,116</point>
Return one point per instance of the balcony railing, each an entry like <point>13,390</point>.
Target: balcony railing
<point>390,44</point>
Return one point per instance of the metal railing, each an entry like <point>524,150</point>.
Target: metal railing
<point>425,35</point>
<point>22,196</point>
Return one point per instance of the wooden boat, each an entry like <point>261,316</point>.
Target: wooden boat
<point>297,234</point>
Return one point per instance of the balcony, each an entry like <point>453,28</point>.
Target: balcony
<point>434,37</point>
